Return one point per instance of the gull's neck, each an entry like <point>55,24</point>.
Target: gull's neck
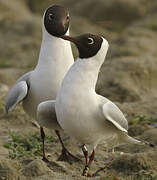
<point>54,51</point>
<point>82,76</point>
<point>85,73</point>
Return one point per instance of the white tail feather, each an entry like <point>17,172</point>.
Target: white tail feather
<point>129,140</point>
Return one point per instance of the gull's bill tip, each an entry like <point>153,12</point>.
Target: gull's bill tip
<point>68,38</point>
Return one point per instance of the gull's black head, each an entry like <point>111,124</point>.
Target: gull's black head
<point>88,44</point>
<point>56,20</point>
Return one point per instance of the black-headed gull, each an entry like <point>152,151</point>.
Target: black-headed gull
<point>54,61</point>
<point>81,112</point>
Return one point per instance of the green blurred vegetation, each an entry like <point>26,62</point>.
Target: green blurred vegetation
<point>142,119</point>
<point>21,146</point>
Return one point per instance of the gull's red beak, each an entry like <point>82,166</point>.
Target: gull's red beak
<point>68,38</point>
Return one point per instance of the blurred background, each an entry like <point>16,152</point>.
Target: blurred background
<point>129,74</point>
<point>128,77</point>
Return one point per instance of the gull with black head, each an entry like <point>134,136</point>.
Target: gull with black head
<point>81,112</point>
<point>43,83</point>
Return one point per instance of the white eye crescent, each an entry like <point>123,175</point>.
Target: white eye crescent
<point>90,41</point>
<point>51,16</point>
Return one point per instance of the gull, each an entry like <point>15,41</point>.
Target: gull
<point>82,113</point>
<point>43,83</point>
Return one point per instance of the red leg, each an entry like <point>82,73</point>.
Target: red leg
<point>85,152</point>
<point>88,163</point>
<point>91,158</point>
<point>43,144</point>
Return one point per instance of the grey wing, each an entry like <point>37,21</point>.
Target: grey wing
<point>113,114</point>
<point>16,94</point>
<point>46,115</point>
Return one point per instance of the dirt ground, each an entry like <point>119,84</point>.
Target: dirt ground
<point>129,161</point>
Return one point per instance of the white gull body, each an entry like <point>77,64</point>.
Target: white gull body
<point>85,115</point>
<point>44,81</point>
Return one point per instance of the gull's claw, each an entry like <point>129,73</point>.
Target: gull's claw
<point>68,157</point>
<point>45,159</point>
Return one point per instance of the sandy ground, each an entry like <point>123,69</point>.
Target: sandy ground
<point>129,161</point>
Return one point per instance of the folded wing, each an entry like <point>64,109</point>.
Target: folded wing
<point>113,114</point>
<point>16,94</point>
<point>46,115</point>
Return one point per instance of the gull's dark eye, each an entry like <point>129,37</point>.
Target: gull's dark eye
<point>51,16</point>
<point>90,41</point>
